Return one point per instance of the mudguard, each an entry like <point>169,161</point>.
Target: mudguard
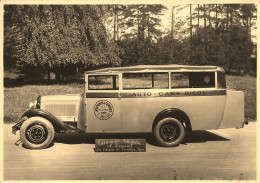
<point>173,112</point>
<point>59,126</point>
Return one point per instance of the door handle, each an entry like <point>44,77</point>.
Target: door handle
<point>119,97</point>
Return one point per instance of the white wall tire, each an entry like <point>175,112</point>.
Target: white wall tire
<point>169,132</point>
<point>36,133</point>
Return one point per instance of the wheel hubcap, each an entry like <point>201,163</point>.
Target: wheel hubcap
<point>36,134</point>
<point>169,132</point>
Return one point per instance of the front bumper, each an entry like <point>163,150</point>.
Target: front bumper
<point>18,125</point>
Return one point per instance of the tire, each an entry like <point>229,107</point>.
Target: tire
<point>36,133</point>
<point>169,132</point>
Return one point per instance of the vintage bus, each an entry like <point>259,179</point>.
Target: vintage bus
<point>165,100</point>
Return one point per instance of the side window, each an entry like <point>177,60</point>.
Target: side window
<point>202,79</point>
<point>193,80</point>
<point>103,82</point>
<point>145,80</point>
<point>180,80</point>
<point>221,80</point>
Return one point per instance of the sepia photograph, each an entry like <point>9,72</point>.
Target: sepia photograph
<point>137,91</point>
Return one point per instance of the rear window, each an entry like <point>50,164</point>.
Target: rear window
<point>103,82</point>
<point>193,80</point>
<point>145,80</point>
<point>221,80</point>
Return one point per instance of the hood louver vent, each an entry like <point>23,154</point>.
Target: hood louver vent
<point>64,107</point>
<point>61,109</point>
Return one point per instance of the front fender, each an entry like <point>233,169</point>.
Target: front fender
<point>59,126</point>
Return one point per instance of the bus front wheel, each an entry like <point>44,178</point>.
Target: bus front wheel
<point>169,132</point>
<point>36,133</point>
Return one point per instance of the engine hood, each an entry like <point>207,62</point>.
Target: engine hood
<point>70,97</point>
<point>64,107</point>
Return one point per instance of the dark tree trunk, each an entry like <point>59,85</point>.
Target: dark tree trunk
<point>205,19</point>
<point>49,73</point>
<point>247,26</point>
<point>250,25</point>
<point>114,23</point>
<point>148,28</point>
<point>198,16</point>
<point>205,26</point>
<point>58,73</point>
<point>190,21</point>
<point>228,44</point>
<point>172,24</point>
<point>231,16</point>
<point>57,76</point>
<point>117,27</point>
<point>227,16</point>
<point>209,16</point>
<point>216,24</point>
<point>138,24</point>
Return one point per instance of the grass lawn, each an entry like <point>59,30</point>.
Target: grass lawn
<point>17,99</point>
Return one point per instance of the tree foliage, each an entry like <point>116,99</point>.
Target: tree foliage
<point>57,36</point>
<point>224,38</point>
<point>139,27</point>
<point>221,35</point>
<point>61,37</point>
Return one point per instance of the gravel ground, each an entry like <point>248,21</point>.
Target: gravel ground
<point>225,154</point>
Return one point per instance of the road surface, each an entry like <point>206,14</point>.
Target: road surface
<point>226,154</point>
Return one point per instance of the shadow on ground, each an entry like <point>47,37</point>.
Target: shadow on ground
<point>52,144</point>
<point>79,138</point>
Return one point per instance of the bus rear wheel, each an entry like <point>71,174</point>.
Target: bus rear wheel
<point>169,132</point>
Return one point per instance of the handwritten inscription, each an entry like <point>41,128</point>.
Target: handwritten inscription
<point>120,145</point>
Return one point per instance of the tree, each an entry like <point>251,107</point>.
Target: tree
<point>55,37</point>
<point>141,29</point>
<point>247,12</point>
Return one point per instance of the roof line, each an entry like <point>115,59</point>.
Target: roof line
<point>155,68</point>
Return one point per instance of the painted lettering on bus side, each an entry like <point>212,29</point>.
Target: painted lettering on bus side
<point>170,94</point>
<point>141,94</point>
<point>196,93</point>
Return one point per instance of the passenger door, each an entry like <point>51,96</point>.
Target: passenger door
<point>103,104</point>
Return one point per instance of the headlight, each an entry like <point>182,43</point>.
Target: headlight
<point>32,105</point>
<point>36,104</point>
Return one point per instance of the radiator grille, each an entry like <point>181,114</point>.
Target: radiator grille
<point>61,109</point>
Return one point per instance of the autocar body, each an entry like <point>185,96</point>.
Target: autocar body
<point>166,100</point>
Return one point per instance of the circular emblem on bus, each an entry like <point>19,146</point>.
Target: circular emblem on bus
<point>103,110</point>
